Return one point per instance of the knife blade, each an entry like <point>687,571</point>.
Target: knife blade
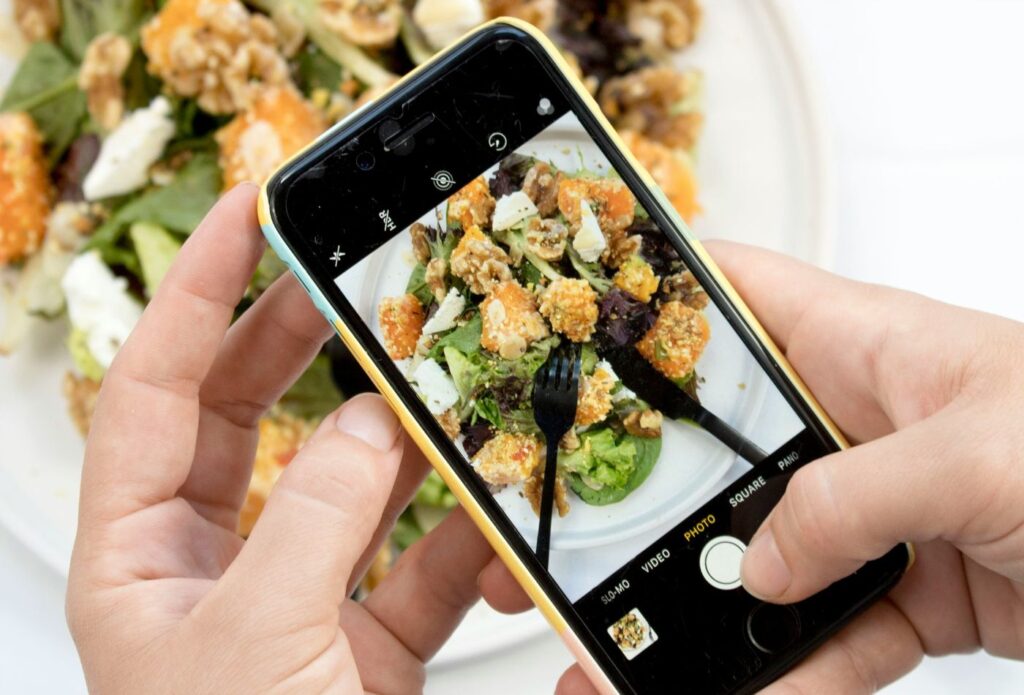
<point>640,376</point>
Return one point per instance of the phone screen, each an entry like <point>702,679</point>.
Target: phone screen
<point>550,246</point>
<point>508,233</point>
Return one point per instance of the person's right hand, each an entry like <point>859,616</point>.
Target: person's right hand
<point>933,397</point>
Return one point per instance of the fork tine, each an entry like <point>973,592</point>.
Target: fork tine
<point>569,359</point>
<point>544,376</point>
<point>569,365</point>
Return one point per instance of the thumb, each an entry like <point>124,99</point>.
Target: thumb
<point>320,516</point>
<point>853,506</point>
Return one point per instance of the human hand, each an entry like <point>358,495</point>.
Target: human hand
<point>163,595</point>
<point>933,397</point>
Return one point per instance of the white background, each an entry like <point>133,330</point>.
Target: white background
<point>927,110</point>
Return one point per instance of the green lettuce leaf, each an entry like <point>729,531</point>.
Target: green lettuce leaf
<point>435,493</point>
<point>314,395</point>
<point>179,206</point>
<point>407,530</point>
<point>465,339</point>
<point>466,372</point>
<point>83,20</point>
<point>156,248</point>
<point>591,272</point>
<point>588,358</point>
<point>85,363</point>
<point>46,86</point>
<point>269,269</point>
<point>487,408</point>
<point>608,469</point>
<point>315,70</point>
<point>417,285</point>
<point>140,88</point>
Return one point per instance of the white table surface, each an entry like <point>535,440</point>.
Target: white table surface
<point>925,102</point>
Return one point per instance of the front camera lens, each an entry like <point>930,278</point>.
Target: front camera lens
<point>365,161</point>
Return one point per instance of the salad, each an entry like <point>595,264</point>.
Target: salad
<point>516,265</point>
<point>126,119</point>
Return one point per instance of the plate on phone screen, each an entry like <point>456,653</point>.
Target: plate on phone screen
<point>766,179</point>
<point>691,462</point>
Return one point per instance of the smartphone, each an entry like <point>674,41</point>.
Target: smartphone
<point>470,224</point>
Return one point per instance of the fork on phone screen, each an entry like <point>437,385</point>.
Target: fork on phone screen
<point>555,390</point>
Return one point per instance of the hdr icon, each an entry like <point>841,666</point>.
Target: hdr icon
<point>385,216</point>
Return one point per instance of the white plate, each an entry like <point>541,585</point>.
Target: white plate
<point>766,176</point>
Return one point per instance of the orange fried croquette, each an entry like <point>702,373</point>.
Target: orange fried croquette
<point>594,401</point>
<point>216,51</point>
<point>25,190</point>
<point>401,322</point>
<point>672,170</point>
<point>479,261</point>
<point>571,307</point>
<point>275,126</point>
<point>472,205</point>
<point>676,340</point>
<point>636,276</point>
<point>508,458</point>
<point>510,320</point>
<point>615,202</point>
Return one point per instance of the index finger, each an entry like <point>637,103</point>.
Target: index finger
<point>143,436</point>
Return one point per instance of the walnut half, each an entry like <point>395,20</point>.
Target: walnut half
<point>643,423</point>
<point>105,61</point>
<point>434,276</point>
<point>38,20</point>
<point>533,490</point>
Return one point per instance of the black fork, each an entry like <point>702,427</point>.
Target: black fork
<point>556,386</point>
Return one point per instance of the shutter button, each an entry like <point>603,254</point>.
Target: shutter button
<point>720,562</point>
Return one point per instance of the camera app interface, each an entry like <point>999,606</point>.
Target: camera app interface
<point>540,297</point>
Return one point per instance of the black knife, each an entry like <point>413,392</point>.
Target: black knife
<point>662,393</point>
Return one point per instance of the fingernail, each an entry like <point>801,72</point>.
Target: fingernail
<point>370,419</point>
<point>764,571</point>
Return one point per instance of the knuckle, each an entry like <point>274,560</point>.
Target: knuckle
<point>862,677</point>
<point>353,479</point>
<point>812,515</point>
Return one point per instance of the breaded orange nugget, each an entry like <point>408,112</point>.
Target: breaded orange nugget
<point>25,191</point>
<point>594,401</point>
<point>472,205</point>
<point>510,320</point>
<point>401,322</point>
<point>256,141</point>
<point>214,50</point>
<point>479,261</point>
<point>508,458</point>
<point>671,170</point>
<point>637,277</point>
<point>676,340</point>
<point>615,202</point>
<point>571,307</point>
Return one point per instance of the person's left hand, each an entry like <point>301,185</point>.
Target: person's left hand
<point>163,595</point>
